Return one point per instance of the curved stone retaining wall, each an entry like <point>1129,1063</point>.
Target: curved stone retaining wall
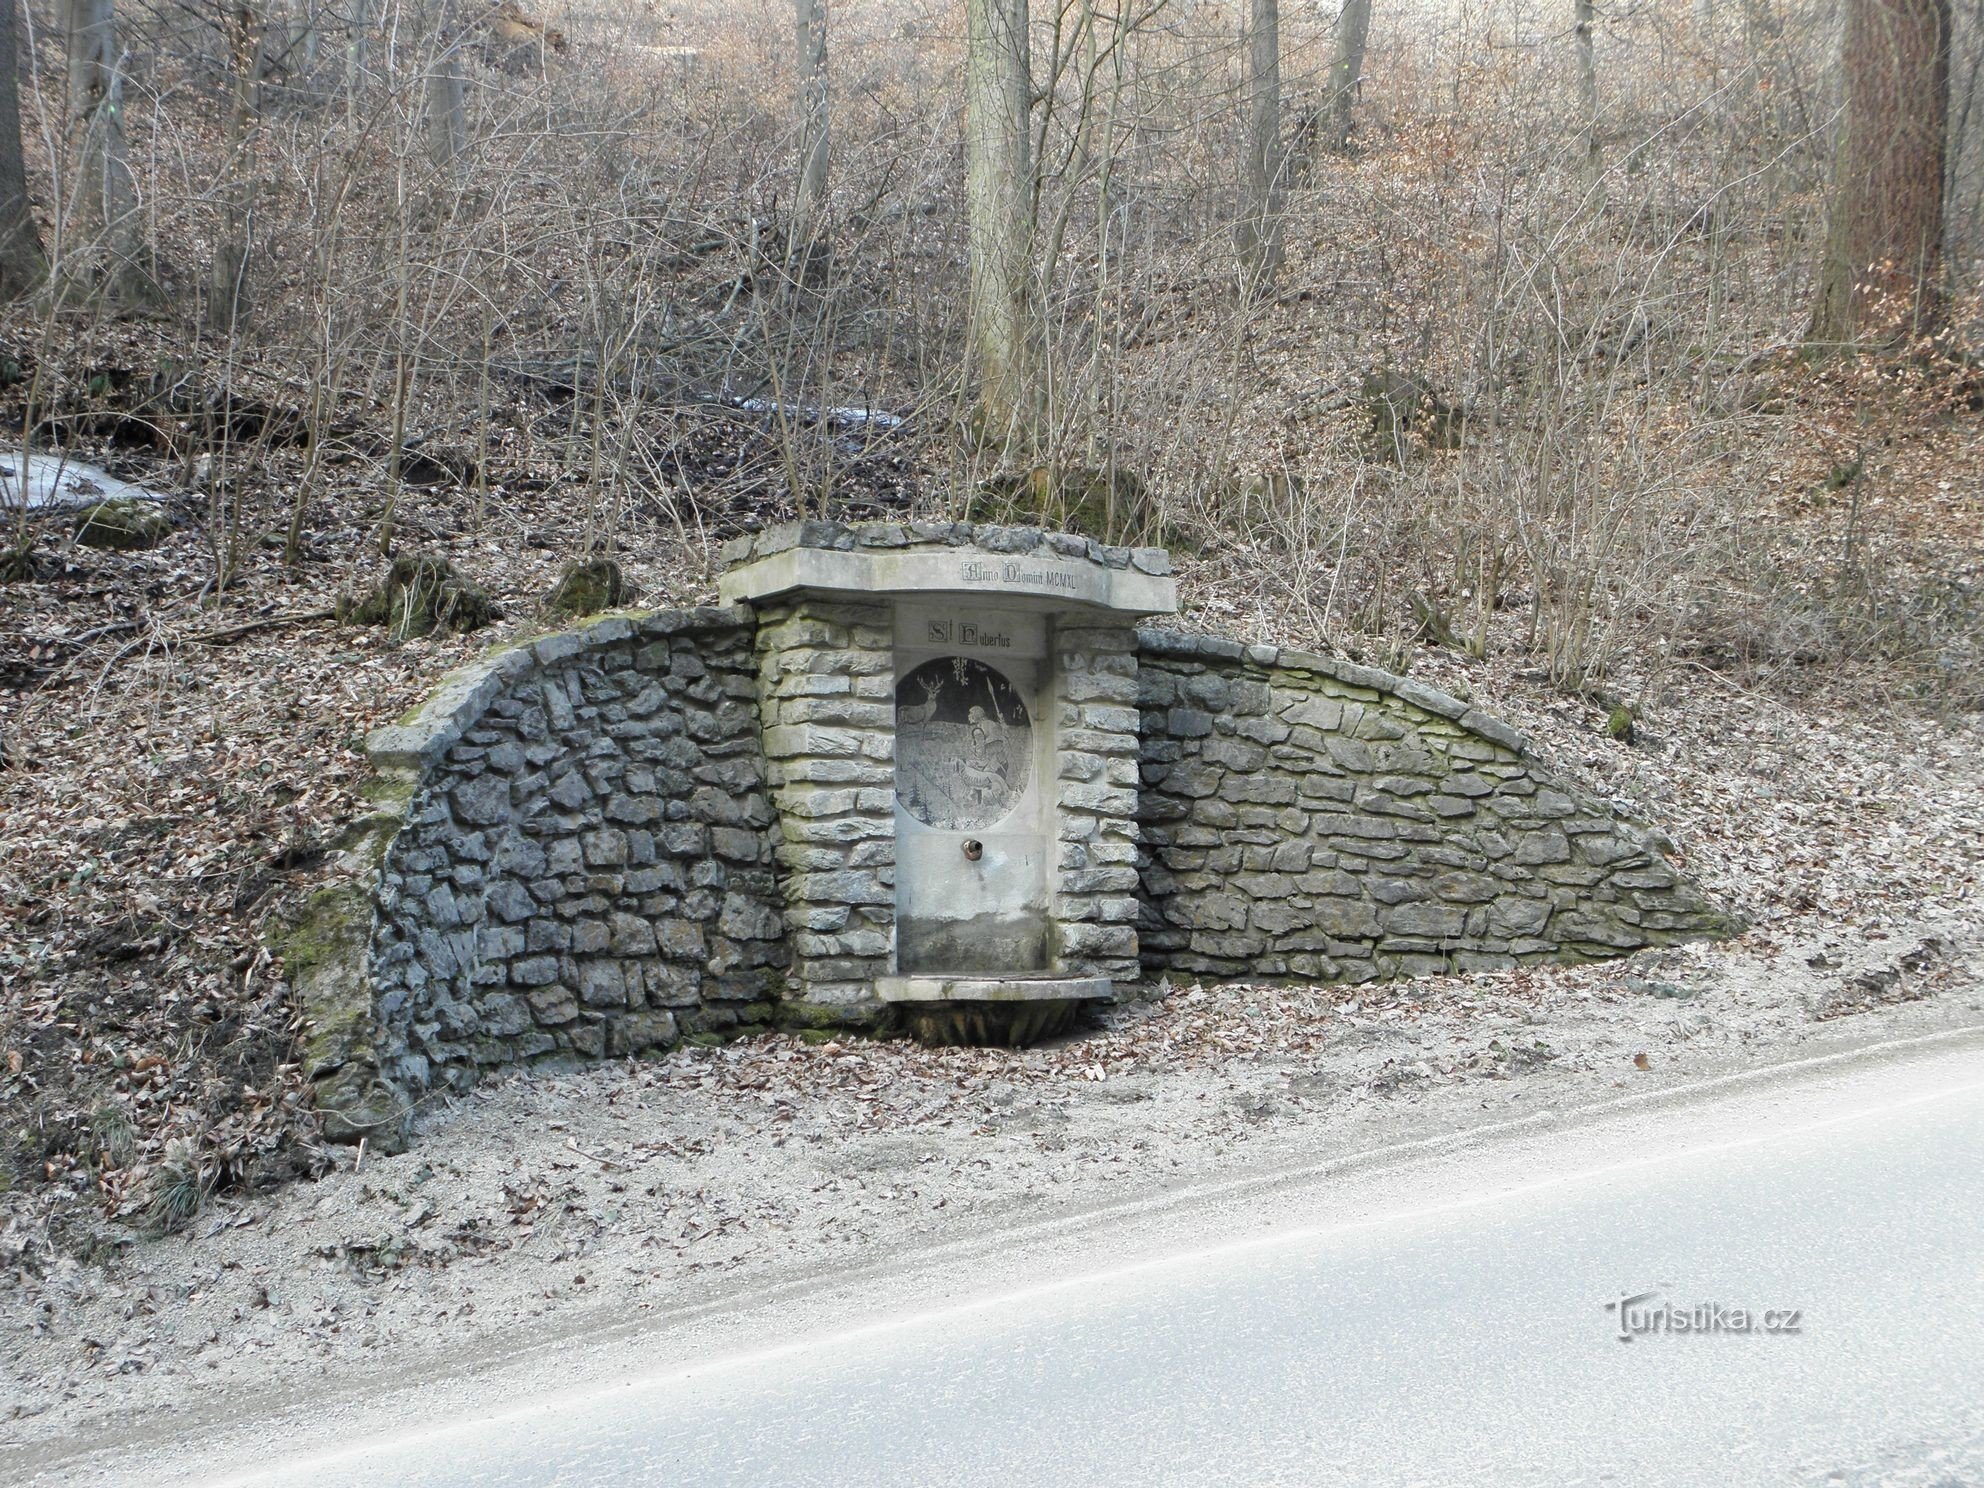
<point>1304,817</point>
<point>582,866</point>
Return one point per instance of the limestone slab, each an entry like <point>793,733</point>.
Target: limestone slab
<point>865,572</point>
<point>993,989</point>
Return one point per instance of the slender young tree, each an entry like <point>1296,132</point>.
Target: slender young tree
<point>1006,335</point>
<point>811,195</point>
<point>1584,18</point>
<point>1353,29</point>
<point>1260,231</point>
<point>447,104</point>
<point>103,198</point>
<point>356,56</point>
<point>242,28</point>
<point>1880,278</point>
<point>21,261</point>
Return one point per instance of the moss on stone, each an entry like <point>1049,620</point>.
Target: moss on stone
<point>323,951</point>
<point>419,595</point>
<point>797,1017</point>
<point>125,524</point>
<point>389,791</point>
<point>368,840</point>
<point>587,587</point>
<point>330,926</point>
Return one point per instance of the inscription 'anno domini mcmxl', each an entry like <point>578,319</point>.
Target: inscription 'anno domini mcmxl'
<point>1019,573</point>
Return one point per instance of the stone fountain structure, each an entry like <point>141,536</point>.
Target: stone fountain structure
<point>952,779</point>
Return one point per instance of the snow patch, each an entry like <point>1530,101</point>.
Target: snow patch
<point>58,483</point>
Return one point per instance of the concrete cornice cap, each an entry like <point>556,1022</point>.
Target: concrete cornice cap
<point>1044,571</point>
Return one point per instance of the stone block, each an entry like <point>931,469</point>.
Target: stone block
<point>606,848</point>
<point>1344,919</point>
<point>493,943</point>
<point>1553,804</point>
<point>1577,875</point>
<point>629,935</point>
<point>1655,876</point>
<point>1279,919</point>
<point>632,810</point>
<point>1099,881</point>
<point>1516,916</point>
<point>546,934</point>
<point>1084,941</point>
<point>508,901</point>
<point>1543,847</point>
<point>1587,927</point>
<point>552,1005</point>
<point>534,971</point>
<point>602,984</point>
<point>1072,764</point>
<point>1439,921</point>
<point>1250,699</point>
<point>1235,754</point>
<point>1267,790</point>
<point>743,918</point>
<point>570,791</point>
<point>1325,715</point>
<point>1104,800</point>
<point>1207,911</point>
<point>1403,785</point>
<point>483,801</point>
<point>1465,888</point>
<point>1349,754</point>
<point>635,1033</point>
<point>1188,723</point>
<point>1098,687</point>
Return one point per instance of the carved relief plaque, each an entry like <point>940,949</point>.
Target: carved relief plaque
<point>964,744</point>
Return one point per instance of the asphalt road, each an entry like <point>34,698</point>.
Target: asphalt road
<point>1460,1336</point>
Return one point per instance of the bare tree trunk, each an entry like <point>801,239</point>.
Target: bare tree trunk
<point>1584,18</point>
<point>1353,28</point>
<point>244,42</point>
<point>1880,279</point>
<point>447,107</point>
<point>355,57</point>
<point>300,53</point>
<point>21,262</point>
<point>1006,334</point>
<point>810,197</point>
<point>103,196</point>
<point>1259,236</point>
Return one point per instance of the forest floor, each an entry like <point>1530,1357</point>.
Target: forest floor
<point>542,1208</point>
<point>175,764</point>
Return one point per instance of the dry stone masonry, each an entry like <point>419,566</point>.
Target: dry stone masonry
<point>1095,901</point>
<point>584,864</point>
<point>927,775</point>
<point>827,702</point>
<point>1304,817</point>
